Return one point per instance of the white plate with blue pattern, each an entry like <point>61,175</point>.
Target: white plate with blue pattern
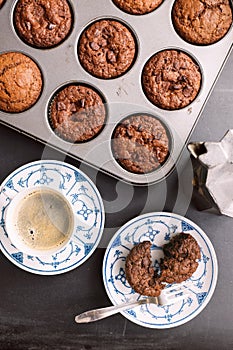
<point>84,199</point>
<point>159,228</point>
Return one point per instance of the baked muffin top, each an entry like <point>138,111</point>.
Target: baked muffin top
<point>1,3</point>
<point>21,82</point>
<point>77,113</point>
<point>202,22</point>
<point>137,7</point>
<point>140,143</point>
<point>171,79</point>
<point>107,49</point>
<point>42,23</point>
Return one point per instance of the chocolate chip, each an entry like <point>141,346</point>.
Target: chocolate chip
<point>94,46</point>
<point>82,103</point>
<point>102,42</point>
<point>187,91</point>
<point>158,78</point>
<point>96,32</point>
<point>111,56</point>
<point>140,128</point>
<point>158,135</point>
<point>176,86</point>
<point>73,107</point>
<point>28,25</point>
<point>183,78</point>
<point>61,106</point>
<point>184,65</point>
<point>51,26</point>
<point>129,133</point>
<point>106,33</point>
<point>176,65</point>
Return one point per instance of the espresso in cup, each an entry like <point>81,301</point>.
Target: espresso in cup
<point>39,221</point>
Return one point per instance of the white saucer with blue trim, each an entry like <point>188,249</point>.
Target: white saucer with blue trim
<point>159,228</point>
<point>85,200</point>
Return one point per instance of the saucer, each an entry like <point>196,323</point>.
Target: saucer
<point>85,201</point>
<point>159,228</point>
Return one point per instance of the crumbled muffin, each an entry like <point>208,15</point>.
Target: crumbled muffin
<point>140,143</point>
<point>43,23</point>
<point>20,82</point>
<point>139,271</point>
<point>202,22</point>
<point>171,79</point>
<point>180,261</point>
<point>138,7</point>
<point>107,49</point>
<point>77,113</point>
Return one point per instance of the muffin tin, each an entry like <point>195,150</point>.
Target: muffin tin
<point>124,95</point>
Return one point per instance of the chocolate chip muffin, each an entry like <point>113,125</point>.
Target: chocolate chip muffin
<point>202,22</point>
<point>1,3</point>
<point>180,261</point>
<point>20,82</point>
<point>43,23</point>
<point>138,7</point>
<point>171,79</point>
<point>140,273</point>
<point>140,143</point>
<point>107,49</point>
<point>181,257</point>
<point>77,113</point>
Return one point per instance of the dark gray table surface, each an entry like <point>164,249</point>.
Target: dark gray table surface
<point>37,312</point>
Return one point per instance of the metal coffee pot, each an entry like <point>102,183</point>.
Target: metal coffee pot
<point>213,174</point>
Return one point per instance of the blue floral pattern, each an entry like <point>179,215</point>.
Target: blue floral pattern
<point>87,207</point>
<point>159,228</point>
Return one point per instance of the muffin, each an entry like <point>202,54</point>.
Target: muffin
<point>42,23</point>
<point>20,82</point>
<point>140,143</point>
<point>171,79</point>
<point>139,271</point>
<point>106,49</point>
<point>180,261</point>
<point>77,113</point>
<point>202,22</point>
<point>1,3</point>
<point>181,257</point>
<point>138,7</point>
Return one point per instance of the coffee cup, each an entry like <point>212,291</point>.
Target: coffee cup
<point>39,221</point>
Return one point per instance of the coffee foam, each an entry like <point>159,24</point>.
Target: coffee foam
<point>43,220</point>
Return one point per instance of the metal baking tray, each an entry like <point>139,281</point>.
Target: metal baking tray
<point>124,95</point>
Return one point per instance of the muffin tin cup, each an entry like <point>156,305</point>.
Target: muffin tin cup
<point>200,45</point>
<point>195,61</point>
<point>52,46</point>
<point>76,83</point>
<point>42,79</point>
<point>127,26</point>
<point>124,95</point>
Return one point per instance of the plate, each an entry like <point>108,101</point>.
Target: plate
<point>159,228</point>
<point>85,200</point>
